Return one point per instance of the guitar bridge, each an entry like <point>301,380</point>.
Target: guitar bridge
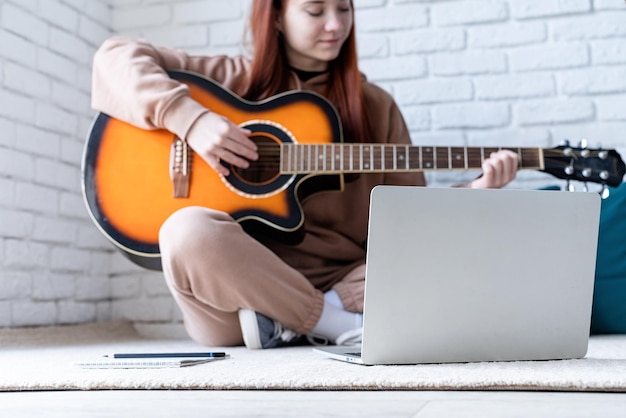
<point>180,159</point>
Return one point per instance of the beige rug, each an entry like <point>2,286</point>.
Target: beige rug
<point>44,359</point>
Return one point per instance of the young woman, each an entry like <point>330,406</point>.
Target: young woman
<point>233,288</point>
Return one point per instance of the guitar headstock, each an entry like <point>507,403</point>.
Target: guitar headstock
<point>601,166</point>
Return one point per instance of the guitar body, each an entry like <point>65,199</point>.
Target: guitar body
<point>134,179</point>
<point>127,171</point>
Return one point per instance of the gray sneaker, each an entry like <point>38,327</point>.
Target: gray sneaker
<point>259,331</point>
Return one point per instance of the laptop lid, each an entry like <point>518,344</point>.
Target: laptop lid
<point>461,275</point>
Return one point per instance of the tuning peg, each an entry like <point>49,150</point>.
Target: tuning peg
<point>565,142</point>
<point>585,187</point>
<point>583,143</point>
<point>605,192</point>
<point>570,187</point>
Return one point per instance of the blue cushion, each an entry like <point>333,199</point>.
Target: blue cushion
<point>609,297</point>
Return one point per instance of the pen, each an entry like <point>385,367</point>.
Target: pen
<point>165,355</point>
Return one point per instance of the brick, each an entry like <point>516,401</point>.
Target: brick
<point>433,91</point>
<point>17,164</point>
<point>72,205</point>
<point>206,11</point>
<point>394,68</point>
<point>471,116</point>
<point>8,129</point>
<point>15,106</point>
<point>180,37</point>
<point>125,287</point>
<point>71,312</point>
<point>607,135</point>
<point>100,11</point>
<point>364,4</point>
<point>425,41</point>
<point>392,18</point>
<point>35,141</point>
<point>226,33</point>
<point>544,8</point>
<point>69,259</point>
<point>5,314</point>
<point>469,12</point>
<point>53,286</point>
<point>598,80</point>
<point>510,137</point>
<point>18,49</point>
<point>103,311</point>
<point>94,32</point>
<point>36,198</point>
<point>24,24</point>
<point>7,191</point>
<point>29,5</point>
<point>70,46</point>
<point>514,86</point>
<point>15,285</point>
<point>372,46</point>
<point>506,35</point>
<point>554,112</point>
<point>611,108</point>
<point>56,119</point>
<point>54,230</point>
<point>58,175</point>
<point>549,57</point>
<point>91,238</point>
<point>59,14</point>
<point>93,288</point>
<point>57,66</point>
<point>611,51</point>
<point>100,262</point>
<point>417,118</point>
<point>154,285</point>
<point>141,16</point>
<point>16,224</point>
<point>26,81</point>
<point>27,313</point>
<point>608,5</point>
<point>468,63</point>
<point>595,26</point>
<point>25,254</point>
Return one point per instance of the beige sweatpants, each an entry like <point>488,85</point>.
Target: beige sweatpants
<point>213,269</point>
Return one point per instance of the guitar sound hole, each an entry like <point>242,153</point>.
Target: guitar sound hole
<point>267,167</point>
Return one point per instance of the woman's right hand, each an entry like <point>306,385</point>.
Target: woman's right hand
<point>214,138</point>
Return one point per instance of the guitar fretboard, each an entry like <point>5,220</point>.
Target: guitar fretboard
<point>366,158</point>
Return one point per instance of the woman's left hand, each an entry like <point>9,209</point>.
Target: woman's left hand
<point>498,170</point>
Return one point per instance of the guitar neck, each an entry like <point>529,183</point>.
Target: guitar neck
<point>370,158</point>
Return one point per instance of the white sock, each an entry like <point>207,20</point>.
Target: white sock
<point>334,321</point>
<point>333,298</point>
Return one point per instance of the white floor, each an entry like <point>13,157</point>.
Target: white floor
<point>139,404</point>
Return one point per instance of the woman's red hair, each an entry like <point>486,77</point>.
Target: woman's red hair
<point>270,70</point>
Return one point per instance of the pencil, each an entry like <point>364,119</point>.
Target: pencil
<point>165,355</point>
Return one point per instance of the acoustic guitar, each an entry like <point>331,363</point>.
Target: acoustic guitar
<point>134,179</point>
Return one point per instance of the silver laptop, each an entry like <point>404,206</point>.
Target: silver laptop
<point>461,275</point>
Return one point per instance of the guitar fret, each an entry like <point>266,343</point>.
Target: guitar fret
<point>361,157</point>
<point>382,159</point>
<point>435,158</point>
<point>465,153</point>
<point>406,157</point>
<point>450,158</point>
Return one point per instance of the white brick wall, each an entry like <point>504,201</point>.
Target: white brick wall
<point>51,261</point>
<point>464,72</point>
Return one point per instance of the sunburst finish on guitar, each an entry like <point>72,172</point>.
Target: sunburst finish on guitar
<point>134,179</point>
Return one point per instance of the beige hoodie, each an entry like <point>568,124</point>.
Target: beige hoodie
<point>130,83</point>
